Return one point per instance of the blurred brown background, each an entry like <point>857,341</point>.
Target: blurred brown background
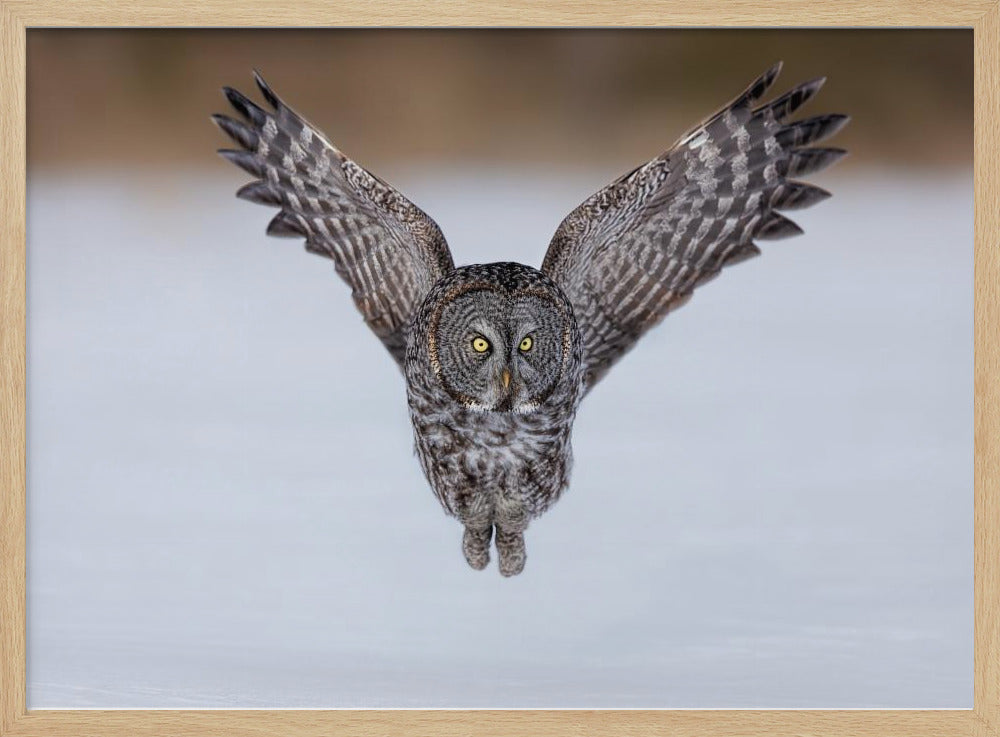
<point>585,98</point>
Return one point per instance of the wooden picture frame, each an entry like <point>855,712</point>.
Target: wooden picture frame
<point>16,16</point>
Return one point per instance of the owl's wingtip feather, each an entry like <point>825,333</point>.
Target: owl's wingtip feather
<point>814,85</point>
<point>237,131</point>
<point>758,87</point>
<point>265,89</point>
<point>244,105</point>
<point>245,160</point>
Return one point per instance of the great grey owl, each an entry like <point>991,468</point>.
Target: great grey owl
<point>498,356</point>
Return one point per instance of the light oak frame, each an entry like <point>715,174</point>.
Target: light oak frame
<point>983,16</point>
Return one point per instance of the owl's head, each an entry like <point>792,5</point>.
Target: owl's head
<point>499,337</point>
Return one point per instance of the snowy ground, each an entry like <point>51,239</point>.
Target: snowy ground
<point>771,505</point>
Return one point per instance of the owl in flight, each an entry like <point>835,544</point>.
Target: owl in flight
<point>498,356</point>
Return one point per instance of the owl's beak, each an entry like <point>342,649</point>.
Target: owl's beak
<point>506,392</point>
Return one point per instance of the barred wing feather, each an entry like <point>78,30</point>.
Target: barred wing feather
<point>386,248</point>
<point>637,249</point>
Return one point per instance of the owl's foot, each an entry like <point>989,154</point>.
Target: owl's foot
<point>510,548</point>
<point>476,546</point>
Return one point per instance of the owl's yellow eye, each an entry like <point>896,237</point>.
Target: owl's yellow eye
<point>480,345</point>
<point>526,344</point>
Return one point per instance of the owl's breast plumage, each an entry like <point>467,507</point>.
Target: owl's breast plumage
<point>490,463</point>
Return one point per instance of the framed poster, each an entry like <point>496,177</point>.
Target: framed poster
<point>211,500</point>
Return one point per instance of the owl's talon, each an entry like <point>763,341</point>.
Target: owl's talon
<point>512,553</point>
<point>476,546</point>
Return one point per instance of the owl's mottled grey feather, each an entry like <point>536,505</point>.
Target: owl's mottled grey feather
<point>385,247</point>
<point>498,356</point>
<point>637,249</point>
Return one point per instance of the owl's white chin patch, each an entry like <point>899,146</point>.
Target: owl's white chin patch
<point>477,407</point>
<point>521,409</point>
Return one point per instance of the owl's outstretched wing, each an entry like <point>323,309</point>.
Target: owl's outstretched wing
<point>385,247</point>
<point>638,248</point>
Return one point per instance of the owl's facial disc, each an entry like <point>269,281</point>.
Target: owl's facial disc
<point>499,352</point>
